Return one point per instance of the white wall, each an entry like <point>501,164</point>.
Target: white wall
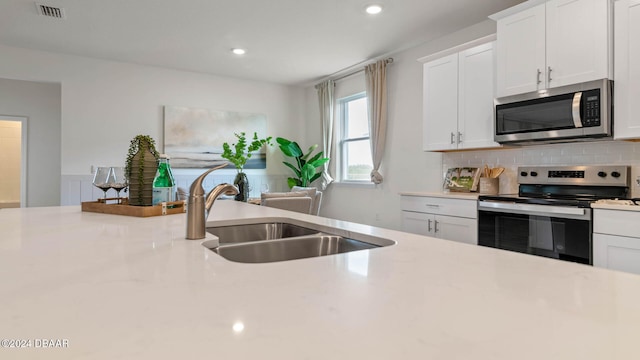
<point>105,104</point>
<point>405,166</point>
<point>39,102</point>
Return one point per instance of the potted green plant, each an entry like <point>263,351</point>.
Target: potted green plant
<point>238,154</point>
<point>140,167</point>
<point>306,166</point>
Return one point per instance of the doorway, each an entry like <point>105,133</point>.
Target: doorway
<point>13,154</point>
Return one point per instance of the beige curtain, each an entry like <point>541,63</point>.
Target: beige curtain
<point>326,100</point>
<point>376,87</point>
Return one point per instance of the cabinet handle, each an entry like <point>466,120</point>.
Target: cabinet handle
<point>549,75</point>
<point>538,81</point>
<point>459,137</point>
<point>435,227</point>
<point>428,225</point>
<point>452,138</point>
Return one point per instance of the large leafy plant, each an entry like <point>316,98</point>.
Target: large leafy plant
<point>241,153</point>
<point>306,166</point>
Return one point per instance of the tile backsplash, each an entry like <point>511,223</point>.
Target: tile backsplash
<point>577,153</point>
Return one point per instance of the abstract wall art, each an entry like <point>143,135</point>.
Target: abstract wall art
<point>193,137</point>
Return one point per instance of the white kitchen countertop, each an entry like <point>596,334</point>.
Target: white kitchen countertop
<point>117,287</point>
<point>615,207</point>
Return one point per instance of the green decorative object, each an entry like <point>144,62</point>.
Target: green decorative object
<point>239,155</point>
<point>141,166</point>
<point>306,167</point>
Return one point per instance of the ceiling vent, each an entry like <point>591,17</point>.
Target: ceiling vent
<point>50,11</point>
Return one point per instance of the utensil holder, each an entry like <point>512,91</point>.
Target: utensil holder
<point>489,186</point>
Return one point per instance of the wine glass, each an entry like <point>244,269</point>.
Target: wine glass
<point>102,179</point>
<point>119,179</point>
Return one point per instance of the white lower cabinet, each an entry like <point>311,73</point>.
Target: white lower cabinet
<point>616,240</point>
<point>432,216</point>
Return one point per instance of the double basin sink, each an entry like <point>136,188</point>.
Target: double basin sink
<point>280,241</point>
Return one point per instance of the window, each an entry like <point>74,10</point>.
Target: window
<point>355,162</point>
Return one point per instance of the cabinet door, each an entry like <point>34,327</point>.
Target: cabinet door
<point>440,112</point>
<point>577,41</point>
<point>627,69</point>
<point>456,228</point>
<point>521,52</point>
<point>418,223</point>
<point>476,89</point>
<point>616,252</point>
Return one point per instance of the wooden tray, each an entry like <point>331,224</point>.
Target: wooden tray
<point>168,208</point>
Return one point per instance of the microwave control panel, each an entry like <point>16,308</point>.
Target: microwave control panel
<point>591,108</point>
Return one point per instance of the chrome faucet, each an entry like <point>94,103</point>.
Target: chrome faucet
<point>198,206</point>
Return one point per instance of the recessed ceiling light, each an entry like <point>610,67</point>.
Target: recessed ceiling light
<point>373,9</point>
<point>238,51</point>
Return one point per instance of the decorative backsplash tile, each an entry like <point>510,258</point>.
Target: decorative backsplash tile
<point>581,153</point>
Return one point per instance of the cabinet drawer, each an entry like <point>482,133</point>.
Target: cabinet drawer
<point>440,206</point>
<point>616,222</point>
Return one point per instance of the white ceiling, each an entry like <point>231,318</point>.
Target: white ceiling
<point>288,41</point>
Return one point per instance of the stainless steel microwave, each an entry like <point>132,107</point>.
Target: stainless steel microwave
<point>568,113</point>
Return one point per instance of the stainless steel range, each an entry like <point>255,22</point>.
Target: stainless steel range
<point>551,214</point>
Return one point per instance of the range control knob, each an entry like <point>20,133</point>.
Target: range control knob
<point>534,173</point>
<point>603,174</point>
<point>523,173</point>
<point>615,174</point>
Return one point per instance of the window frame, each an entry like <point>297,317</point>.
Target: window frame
<point>343,140</point>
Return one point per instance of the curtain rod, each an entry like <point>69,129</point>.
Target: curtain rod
<point>388,61</point>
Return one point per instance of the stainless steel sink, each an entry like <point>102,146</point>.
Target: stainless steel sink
<point>258,232</point>
<point>265,242</point>
<point>290,248</point>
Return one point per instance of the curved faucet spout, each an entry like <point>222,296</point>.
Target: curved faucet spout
<point>198,207</point>
<point>220,189</point>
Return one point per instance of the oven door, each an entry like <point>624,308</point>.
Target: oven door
<point>551,231</point>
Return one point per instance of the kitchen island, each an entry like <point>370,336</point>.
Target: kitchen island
<point>117,287</point>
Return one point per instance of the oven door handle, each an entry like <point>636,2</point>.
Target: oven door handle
<point>531,209</point>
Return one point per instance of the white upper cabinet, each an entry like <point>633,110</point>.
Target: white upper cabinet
<point>440,91</point>
<point>458,93</point>
<point>627,69</point>
<point>476,91</point>
<point>521,52</point>
<point>555,43</point>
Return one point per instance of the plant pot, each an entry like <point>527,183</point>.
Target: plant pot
<point>242,183</point>
<point>143,171</point>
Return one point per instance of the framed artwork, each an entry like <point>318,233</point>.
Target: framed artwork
<point>193,137</point>
<point>463,179</point>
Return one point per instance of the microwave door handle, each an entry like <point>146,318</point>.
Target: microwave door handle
<point>575,109</point>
